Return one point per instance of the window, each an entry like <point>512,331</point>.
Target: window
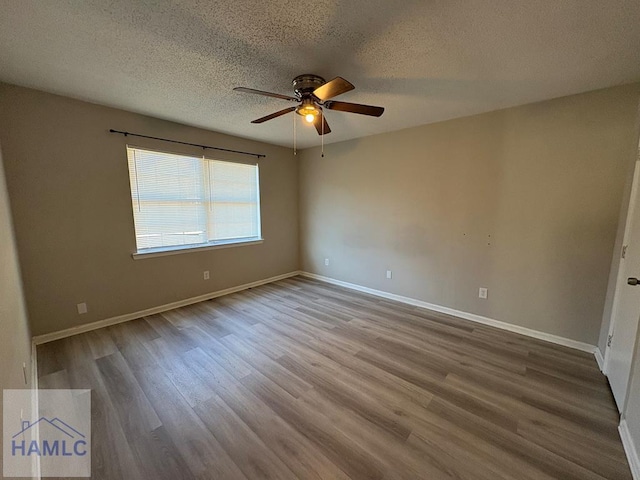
<point>185,202</point>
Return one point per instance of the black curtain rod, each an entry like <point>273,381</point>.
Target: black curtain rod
<point>257,155</point>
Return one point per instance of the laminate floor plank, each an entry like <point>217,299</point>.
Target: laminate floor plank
<point>484,408</point>
<point>301,379</point>
<point>289,382</point>
<point>341,392</point>
<point>528,390</point>
<point>548,461</point>
<point>232,362</point>
<point>133,331</point>
<point>605,462</point>
<point>357,390</point>
<point>111,453</point>
<point>207,321</point>
<point>137,416</point>
<point>294,449</point>
<point>159,458</point>
<point>425,332</point>
<point>596,395</point>
<point>242,444</point>
<point>338,364</point>
<point>291,326</point>
<point>101,343</point>
<point>347,454</point>
<point>552,411</point>
<point>179,372</point>
<point>463,444</point>
<point>49,358</point>
<point>399,459</point>
<point>174,336</point>
<point>202,453</point>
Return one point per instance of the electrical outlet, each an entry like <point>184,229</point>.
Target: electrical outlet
<point>389,274</point>
<point>483,292</point>
<point>206,274</point>
<point>82,308</point>
<point>326,262</point>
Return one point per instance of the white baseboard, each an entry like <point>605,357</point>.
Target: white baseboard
<point>585,347</point>
<point>599,359</point>
<point>567,342</point>
<point>35,407</point>
<point>50,337</point>
<point>34,366</point>
<point>630,449</point>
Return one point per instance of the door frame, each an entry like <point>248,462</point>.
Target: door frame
<point>634,200</point>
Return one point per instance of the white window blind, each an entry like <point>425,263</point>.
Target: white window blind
<point>182,200</point>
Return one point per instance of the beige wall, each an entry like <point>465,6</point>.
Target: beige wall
<point>69,188</point>
<point>15,339</point>
<point>523,201</point>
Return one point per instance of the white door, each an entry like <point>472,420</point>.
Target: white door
<point>626,307</point>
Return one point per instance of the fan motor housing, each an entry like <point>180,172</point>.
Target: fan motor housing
<point>306,84</point>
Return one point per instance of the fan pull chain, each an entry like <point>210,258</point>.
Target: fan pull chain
<point>322,136</point>
<point>294,136</point>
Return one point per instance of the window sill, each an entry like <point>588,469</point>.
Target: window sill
<point>164,251</point>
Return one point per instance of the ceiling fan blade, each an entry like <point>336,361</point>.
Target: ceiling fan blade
<point>274,115</point>
<point>321,124</point>
<point>266,94</point>
<point>354,108</point>
<point>333,88</point>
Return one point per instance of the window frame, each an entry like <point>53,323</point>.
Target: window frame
<point>162,251</point>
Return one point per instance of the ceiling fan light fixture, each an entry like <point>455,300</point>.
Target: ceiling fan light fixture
<point>308,110</point>
<point>314,95</point>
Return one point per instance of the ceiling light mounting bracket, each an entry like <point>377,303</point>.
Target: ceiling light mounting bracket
<point>304,85</point>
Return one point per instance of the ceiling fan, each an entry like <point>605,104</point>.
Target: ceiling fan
<point>314,93</point>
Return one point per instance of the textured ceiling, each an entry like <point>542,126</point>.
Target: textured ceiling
<point>425,61</point>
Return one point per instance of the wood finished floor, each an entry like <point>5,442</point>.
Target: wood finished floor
<point>301,379</point>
